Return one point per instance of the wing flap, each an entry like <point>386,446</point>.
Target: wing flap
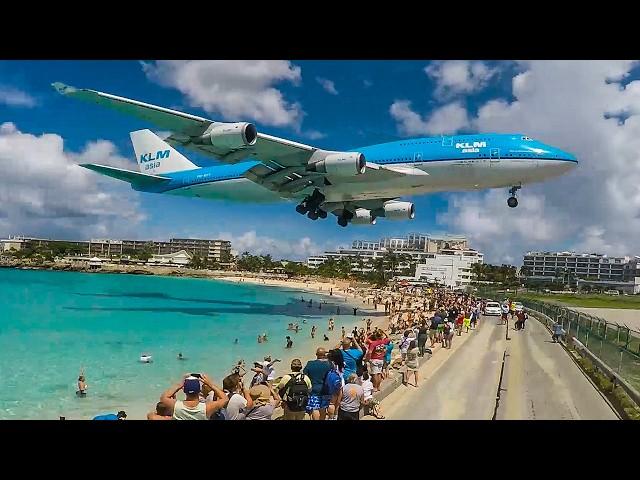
<point>135,178</point>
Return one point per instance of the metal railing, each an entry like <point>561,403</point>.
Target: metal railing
<point>617,346</point>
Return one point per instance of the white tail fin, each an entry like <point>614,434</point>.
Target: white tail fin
<point>155,156</point>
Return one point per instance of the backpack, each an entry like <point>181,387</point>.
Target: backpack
<point>222,413</point>
<point>332,383</point>
<point>296,393</point>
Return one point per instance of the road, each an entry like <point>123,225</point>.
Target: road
<point>539,381</point>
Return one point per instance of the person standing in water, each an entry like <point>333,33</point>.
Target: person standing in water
<point>180,357</point>
<point>289,342</point>
<point>82,385</point>
<point>313,331</point>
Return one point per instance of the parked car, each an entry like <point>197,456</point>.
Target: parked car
<point>492,308</point>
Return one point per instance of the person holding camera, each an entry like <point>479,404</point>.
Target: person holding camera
<point>239,398</point>
<point>192,408</point>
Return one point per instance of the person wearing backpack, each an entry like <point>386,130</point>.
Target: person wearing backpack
<point>294,389</point>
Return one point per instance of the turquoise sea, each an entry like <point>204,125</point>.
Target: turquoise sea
<point>52,323</point>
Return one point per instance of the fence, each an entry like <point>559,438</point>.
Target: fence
<point>615,345</point>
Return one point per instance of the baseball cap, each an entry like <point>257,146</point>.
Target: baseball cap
<point>349,335</point>
<point>191,385</point>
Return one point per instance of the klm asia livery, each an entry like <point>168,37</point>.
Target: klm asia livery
<point>358,186</point>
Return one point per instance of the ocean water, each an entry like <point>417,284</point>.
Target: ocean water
<point>52,323</point>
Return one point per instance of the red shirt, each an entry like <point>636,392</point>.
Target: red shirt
<point>378,348</point>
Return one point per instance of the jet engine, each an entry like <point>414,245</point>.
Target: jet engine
<point>229,136</point>
<point>399,211</point>
<point>362,216</point>
<point>341,164</point>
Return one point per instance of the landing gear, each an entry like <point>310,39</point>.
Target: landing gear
<point>309,206</point>
<point>512,201</point>
<point>345,218</point>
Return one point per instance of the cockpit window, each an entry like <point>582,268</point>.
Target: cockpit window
<point>529,139</point>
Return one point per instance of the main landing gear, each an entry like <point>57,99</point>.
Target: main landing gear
<point>512,201</point>
<point>345,218</point>
<point>310,206</point>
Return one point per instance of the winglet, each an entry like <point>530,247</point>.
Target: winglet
<point>63,89</point>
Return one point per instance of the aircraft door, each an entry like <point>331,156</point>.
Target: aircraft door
<point>494,156</point>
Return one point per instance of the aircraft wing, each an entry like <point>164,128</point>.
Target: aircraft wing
<point>284,162</point>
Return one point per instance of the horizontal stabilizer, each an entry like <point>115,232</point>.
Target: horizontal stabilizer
<point>134,178</point>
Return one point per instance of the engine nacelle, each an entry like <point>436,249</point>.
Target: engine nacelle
<point>343,164</point>
<point>362,216</point>
<point>229,136</point>
<point>399,211</point>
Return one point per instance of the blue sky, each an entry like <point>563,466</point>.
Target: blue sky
<point>356,109</point>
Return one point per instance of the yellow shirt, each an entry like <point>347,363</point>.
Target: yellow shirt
<point>284,380</point>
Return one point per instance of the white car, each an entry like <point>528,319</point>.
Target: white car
<point>492,308</point>
<point>519,306</point>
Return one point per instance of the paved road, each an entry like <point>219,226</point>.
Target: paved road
<point>465,386</point>
<point>540,381</point>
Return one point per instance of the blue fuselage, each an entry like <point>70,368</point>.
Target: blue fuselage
<point>452,163</point>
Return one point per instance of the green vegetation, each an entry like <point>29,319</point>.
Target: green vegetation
<point>616,395</point>
<point>586,301</point>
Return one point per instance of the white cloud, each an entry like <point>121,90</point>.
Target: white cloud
<point>367,83</point>
<point>596,207</point>
<point>15,97</point>
<point>444,120</point>
<point>328,85</point>
<point>44,192</point>
<point>454,77</point>
<point>295,249</point>
<point>236,89</point>
<point>314,134</point>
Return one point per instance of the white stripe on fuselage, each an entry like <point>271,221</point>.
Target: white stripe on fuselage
<point>446,175</point>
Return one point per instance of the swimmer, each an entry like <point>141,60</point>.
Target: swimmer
<point>180,357</point>
<point>82,385</point>
<point>236,341</point>
<point>326,339</point>
<point>264,337</point>
<point>289,342</point>
<point>259,338</point>
<point>304,320</point>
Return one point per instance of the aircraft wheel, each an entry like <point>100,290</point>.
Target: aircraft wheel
<point>342,221</point>
<point>313,214</point>
<point>322,214</point>
<point>301,209</point>
<point>512,202</point>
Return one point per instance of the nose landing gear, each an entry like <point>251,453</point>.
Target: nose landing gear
<point>512,201</point>
<point>345,218</point>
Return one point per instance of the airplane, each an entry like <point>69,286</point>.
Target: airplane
<point>357,185</point>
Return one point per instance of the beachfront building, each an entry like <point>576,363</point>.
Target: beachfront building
<point>180,258</point>
<point>449,267</point>
<point>415,248</point>
<point>211,250</point>
<point>570,267</point>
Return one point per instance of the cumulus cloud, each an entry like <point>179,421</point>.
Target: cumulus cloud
<point>235,89</point>
<point>596,207</point>
<point>442,121</point>
<point>44,192</point>
<point>455,77</point>
<point>296,249</point>
<point>15,97</point>
<point>328,85</point>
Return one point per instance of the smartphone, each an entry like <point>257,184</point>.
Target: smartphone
<point>197,375</point>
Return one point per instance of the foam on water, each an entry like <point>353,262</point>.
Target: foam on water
<point>51,323</point>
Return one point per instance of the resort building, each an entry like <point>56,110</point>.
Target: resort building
<point>450,268</point>
<point>180,258</point>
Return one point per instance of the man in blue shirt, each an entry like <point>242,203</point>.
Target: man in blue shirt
<point>112,416</point>
<point>317,371</point>
<point>352,352</point>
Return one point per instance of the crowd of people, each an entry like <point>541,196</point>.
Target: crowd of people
<point>340,383</point>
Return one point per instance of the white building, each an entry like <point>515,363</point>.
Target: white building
<point>451,268</point>
<point>178,258</point>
